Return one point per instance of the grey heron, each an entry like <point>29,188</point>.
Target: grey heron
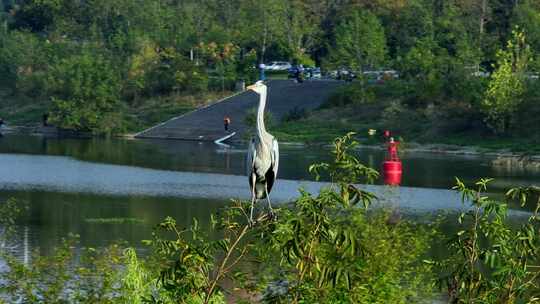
<point>263,155</point>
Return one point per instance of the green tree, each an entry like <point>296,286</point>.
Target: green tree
<point>172,72</point>
<point>23,61</point>
<point>359,41</point>
<point>527,17</point>
<point>301,29</point>
<point>414,22</point>
<point>507,83</point>
<point>263,23</point>
<point>85,90</point>
<point>223,58</point>
<point>36,16</point>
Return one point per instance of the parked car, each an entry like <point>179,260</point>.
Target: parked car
<point>390,74</point>
<point>480,74</point>
<point>278,66</point>
<point>293,70</point>
<point>380,76</point>
<point>332,74</point>
<point>372,76</point>
<point>345,74</point>
<point>315,73</point>
<point>476,71</point>
<point>312,72</point>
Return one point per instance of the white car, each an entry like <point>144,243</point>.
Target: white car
<point>278,66</point>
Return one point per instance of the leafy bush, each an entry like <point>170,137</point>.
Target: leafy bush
<point>295,113</point>
<point>85,90</point>
<point>246,67</point>
<point>23,62</point>
<point>10,211</point>
<point>491,261</point>
<point>53,279</point>
<point>454,117</point>
<point>174,73</point>
<point>217,83</point>
<point>460,85</point>
<point>251,118</point>
<point>402,118</point>
<point>356,93</point>
<point>334,251</point>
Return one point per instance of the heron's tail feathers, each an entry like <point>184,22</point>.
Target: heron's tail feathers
<point>260,192</point>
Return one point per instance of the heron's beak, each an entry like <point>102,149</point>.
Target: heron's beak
<point>251,87</point>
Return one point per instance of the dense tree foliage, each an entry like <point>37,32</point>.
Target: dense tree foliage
<point>507,84</point>
<point>359,41</point>
<point>155,48</point>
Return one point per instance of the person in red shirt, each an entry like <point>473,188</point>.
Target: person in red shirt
<point>393,149</point>
<point>226,123</point>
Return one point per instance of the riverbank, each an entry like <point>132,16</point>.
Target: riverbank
<point>503,158</point>
<point>25,115</point>
<point>498,157</point>
<point>439,127</point>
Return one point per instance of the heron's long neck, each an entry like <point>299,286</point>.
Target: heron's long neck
<point>261,130</point>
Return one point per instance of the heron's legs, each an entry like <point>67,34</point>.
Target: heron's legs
<point>268,199</point>
<point>253,197</point>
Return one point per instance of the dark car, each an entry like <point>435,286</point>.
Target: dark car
<point>313,73</point>
<point>345,74</point>
<point>295,70</point>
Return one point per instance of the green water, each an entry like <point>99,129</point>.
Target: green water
<point>101,220</point>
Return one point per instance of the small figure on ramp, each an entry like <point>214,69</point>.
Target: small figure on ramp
<point>226,122</point>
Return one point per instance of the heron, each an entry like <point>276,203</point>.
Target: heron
<point>263,155</point>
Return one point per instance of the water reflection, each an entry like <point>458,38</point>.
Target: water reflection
<point>420,169</point>
<point>100,220</point>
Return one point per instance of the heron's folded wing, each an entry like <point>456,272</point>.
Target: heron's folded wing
<point>250,159</point>
<point>275,157</point>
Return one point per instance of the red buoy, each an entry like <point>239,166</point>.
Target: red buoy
<point>392,168</point>
<point>392,172</point>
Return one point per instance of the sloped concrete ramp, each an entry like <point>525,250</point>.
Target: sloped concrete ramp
<point>206,124</point>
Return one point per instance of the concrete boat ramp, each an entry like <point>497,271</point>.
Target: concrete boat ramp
<point>206,124</point>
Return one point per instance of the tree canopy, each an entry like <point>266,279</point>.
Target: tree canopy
<point>163,47</point>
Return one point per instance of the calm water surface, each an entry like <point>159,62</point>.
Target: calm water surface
<point>71,185</point>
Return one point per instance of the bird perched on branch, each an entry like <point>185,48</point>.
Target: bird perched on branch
<point>263,155</point>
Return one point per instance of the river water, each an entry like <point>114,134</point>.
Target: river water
<point>111,189</point>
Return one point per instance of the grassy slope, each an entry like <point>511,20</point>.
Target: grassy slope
<point>146,113</point>
<point>21,111</point>
<point>158,109</point>
<point>323,125</point>
<point>326,124</point>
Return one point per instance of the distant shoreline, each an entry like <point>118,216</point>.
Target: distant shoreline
<point>499,157</point>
